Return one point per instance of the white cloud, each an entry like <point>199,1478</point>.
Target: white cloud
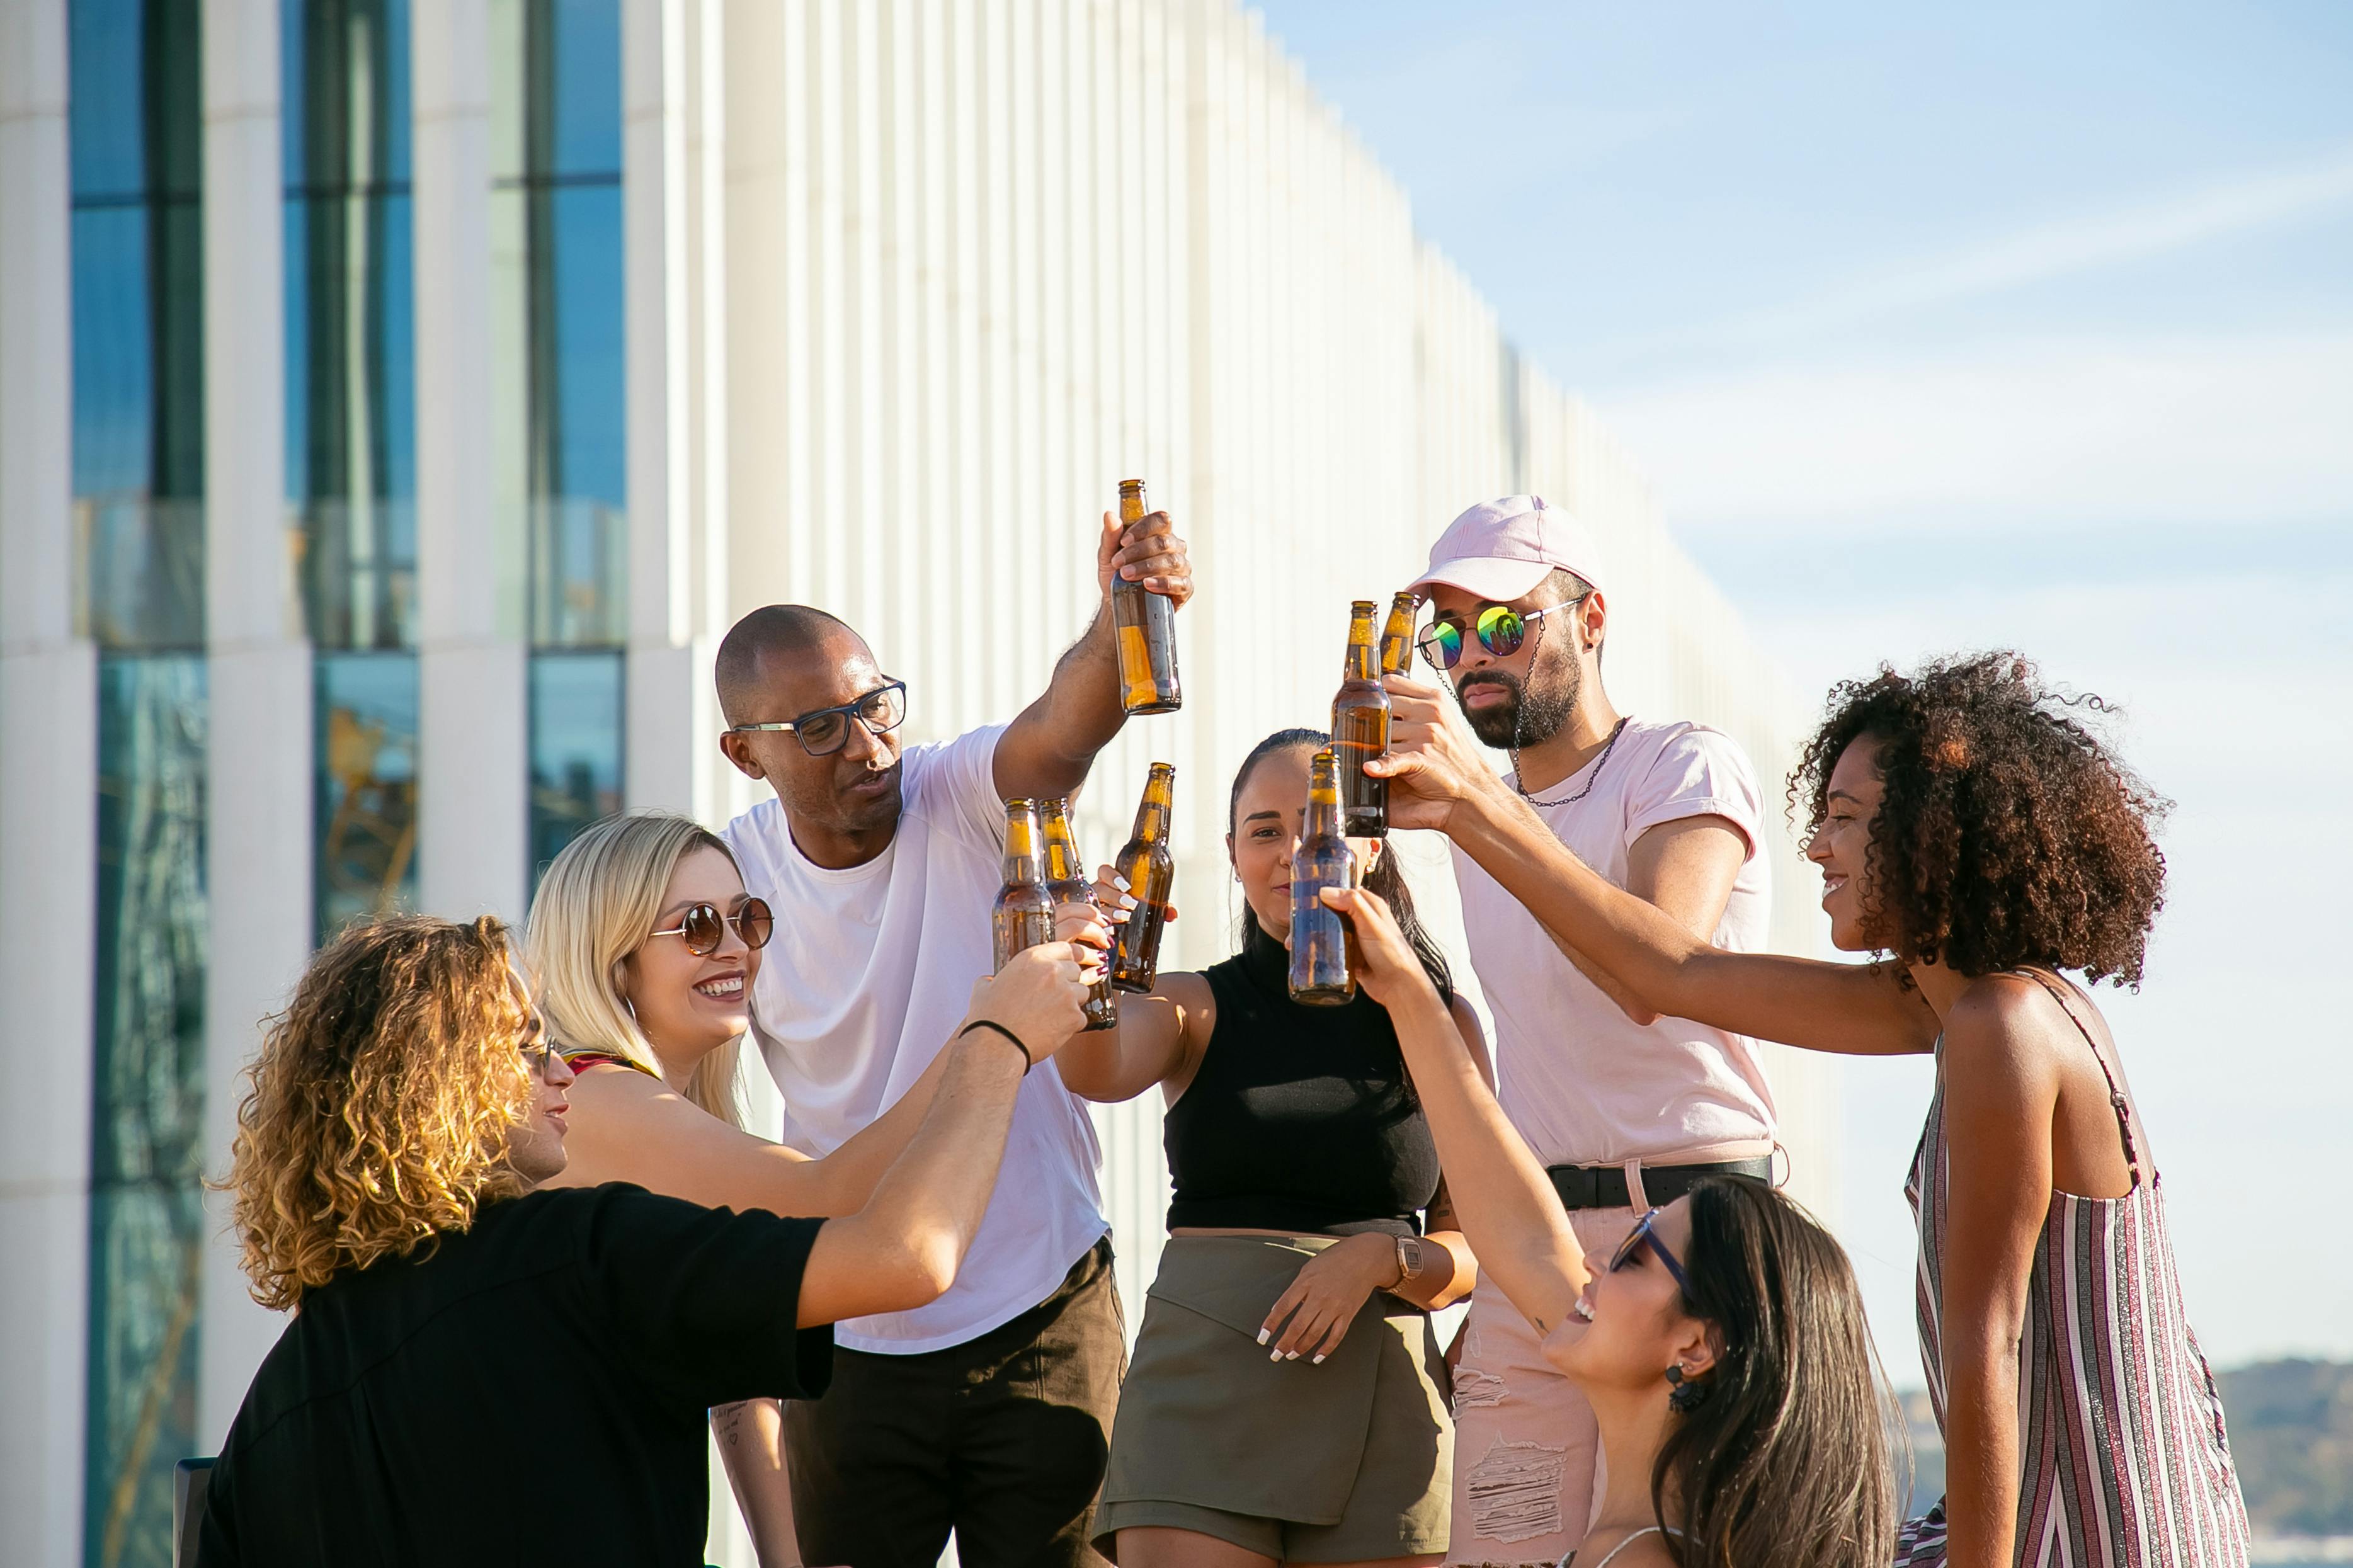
<point>2057,251</point>
<point>2139,431</point>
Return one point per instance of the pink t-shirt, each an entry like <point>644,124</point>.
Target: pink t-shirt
<point>1585,1084</point>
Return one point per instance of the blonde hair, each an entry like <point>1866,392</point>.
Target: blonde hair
<point>595,906</point>
<point>382,1102</point>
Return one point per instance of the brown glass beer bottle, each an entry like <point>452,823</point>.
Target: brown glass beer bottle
<point>1397,638</point>
<point>1023,915</point>
<point>1150,873</point>
<point>1066,883</point>
<point>1144,625</point>
<point>1319,934</point>
<point>1360,732</point>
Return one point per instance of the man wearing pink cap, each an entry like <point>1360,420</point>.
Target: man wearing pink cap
<point>1626,1108</point>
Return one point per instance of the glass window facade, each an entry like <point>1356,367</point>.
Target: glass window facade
<point>351,435</point>
<point>364,796</point>
<point>575,747</point>
<point>138,322</point>
<point>558,195</point>
<point>138,286</point>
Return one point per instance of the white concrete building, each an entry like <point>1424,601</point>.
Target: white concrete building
<point>399,399</point>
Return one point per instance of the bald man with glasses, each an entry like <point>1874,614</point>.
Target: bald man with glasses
<point>985,1414</point>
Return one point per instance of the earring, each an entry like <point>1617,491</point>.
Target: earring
<point>1685,1395</point>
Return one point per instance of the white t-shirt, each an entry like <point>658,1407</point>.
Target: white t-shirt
<point>1585,1084</point>
<point>870,970</point>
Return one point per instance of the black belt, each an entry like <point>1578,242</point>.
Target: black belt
<point>1604,1186</point>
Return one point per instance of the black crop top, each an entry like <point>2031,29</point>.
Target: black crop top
<point>1299,1118</point>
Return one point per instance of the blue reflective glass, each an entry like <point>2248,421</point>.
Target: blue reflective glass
<point>137,247</point>
<point>147,1229</point>
<point>576,748</point>
<point>351,447</point>
<point>366,806</point>
<point>583,41</point>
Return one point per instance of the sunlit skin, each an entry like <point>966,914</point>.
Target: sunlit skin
<point>535,1146</point>
<point>1561,650</point>
<point>688,1003</point>
<point>843,807</point>
<point>1630,1320</point>
<point>1615,1334</point>
<point>1841,846</point>
<point>1268,821</point>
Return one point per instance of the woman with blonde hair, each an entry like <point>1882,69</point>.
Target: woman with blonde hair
<point>643,945</point>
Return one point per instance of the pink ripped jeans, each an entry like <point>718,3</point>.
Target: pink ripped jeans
<point>1528,1456</point>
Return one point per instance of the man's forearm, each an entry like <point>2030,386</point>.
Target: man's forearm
<point>1511,843</point>
<point>1084,699</point>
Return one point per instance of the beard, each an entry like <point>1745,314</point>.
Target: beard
<point>1520,719</point>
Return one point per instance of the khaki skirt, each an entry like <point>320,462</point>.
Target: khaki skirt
<point>1206,1419</point>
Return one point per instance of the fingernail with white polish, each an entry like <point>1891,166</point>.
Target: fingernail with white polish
<point>1274,1355</point>
<point>1264,1335</point>
<point>1317,1362</point>
<point>1293,1356</point>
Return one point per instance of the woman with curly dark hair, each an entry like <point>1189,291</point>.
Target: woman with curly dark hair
<point>1970,827</point>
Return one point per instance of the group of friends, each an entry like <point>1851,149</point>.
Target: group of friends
<point>533,1254</point>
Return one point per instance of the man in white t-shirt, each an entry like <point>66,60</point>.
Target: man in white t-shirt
<point>1627,1108</point>
<point>988,1413</point>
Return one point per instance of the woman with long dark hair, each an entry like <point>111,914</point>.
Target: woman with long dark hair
<point>1721,1344</point>
<point>1969,826</point>
<point>1285,1402</point>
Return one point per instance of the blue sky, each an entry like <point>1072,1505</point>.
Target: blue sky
<point>1989,326</point>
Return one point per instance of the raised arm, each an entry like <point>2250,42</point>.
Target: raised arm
<point>629,1127</point>
<point>902,1249</point>
<point>1157,1039</point>
<point>1048,750</point>
<point>1504,1203</point>
<point>1660,964</point>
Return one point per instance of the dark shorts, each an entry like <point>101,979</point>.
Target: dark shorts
<point>1001,1439</point>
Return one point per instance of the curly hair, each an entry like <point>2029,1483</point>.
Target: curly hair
<point>382,1102</point>
<point>2007,834</point>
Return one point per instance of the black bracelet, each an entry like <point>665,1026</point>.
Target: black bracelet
<point>1027,1061</point>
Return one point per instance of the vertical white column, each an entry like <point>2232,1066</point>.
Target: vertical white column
<point>48,816</point>
<point>472,778</point>
<point>257,791</point>
<point>658,756</point>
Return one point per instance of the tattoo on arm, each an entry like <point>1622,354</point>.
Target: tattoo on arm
<point>727,1420</point>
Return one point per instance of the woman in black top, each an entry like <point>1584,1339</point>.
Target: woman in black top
<point>1286,1396</point>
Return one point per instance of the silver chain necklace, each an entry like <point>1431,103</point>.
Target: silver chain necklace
<point>1608,747</point>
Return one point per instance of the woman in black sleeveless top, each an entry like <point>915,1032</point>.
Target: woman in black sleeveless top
<point>1287,1393</point>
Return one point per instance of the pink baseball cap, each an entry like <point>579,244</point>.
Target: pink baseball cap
<point>1500,550</point>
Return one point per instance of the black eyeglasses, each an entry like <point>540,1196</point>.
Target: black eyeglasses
<point>826,731</point>
<point>704,928</point>
<point>1641,1235</point>
<point>1499,628</point>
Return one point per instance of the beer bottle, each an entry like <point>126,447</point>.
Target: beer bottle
<point>1360,732</point>
<point>1146,626</point>
<point>1150,873</point>
<point>1319,934</point>
<point>1397,638</point>
<point>1023,915</point>
<point>1067,883</point>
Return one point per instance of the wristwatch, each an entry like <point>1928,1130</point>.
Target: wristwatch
<point>1408,1255</point>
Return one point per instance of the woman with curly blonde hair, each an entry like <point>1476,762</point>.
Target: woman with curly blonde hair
<point>450,1315</point>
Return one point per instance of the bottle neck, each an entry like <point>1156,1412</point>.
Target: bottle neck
<point>1021,849</point>
<point>1323,814</point>
<point>1359,664</point>
<point>1152,822</point>
<point>1062,853</point>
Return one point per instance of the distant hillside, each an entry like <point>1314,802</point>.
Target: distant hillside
<point>2290,1424</point>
